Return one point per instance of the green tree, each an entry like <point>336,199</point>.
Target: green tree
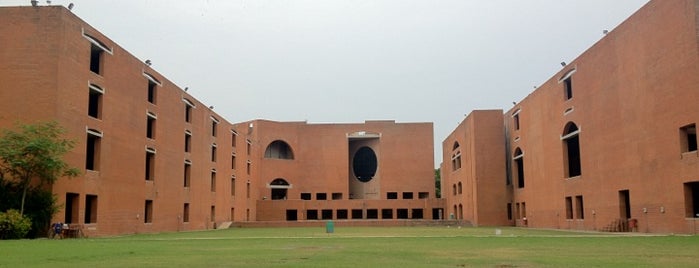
<point>34,153</point>
<point>438,182</point>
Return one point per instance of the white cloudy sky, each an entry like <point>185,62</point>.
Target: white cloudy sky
<point>355,60</point>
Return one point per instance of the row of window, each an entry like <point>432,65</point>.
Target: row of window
<point>457,188</point>
<point>520,211</point>
<point>358,214</point>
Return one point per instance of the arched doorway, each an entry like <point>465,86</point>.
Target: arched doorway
<point>279,188</point>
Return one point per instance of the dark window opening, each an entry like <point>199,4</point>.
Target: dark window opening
<point>423,195</point>
<point>461,212</point>
<point>213,153</point>
<point>568,87</point>
<point>305,196</point>
<point>392,195</point>
<point>524,210</point>
<point>515,120</point>
<point>188,113</point>
<point>387,213</point>
<point>248,148</point>
<point>624,204</point>
<point>247,190</point>
<point>150,166</point>
<point>569,208</point>
<point>691,197</point>
<point>402,213</point>
<point>148,212</point>
<point>459,188</point>
<point>688,138</point>
<point>248,167</point>
<point>519,167</point>
<point>418,213</point>
<point>213,181</point>
<point>185,213</point>
<point>151,91</point>
<point>291,215</point>
<point>150,127</point>
<point>407,195</point>
<point>372,214</point>
<point>279,150</point>
<point>342,214</point>
<point>437,213</point>
<point>72,207</point>
<point>232,161</point>
<point>213,214</point>
<point>233,187</point>
<point>214,126</point>
<point>94,106</point>
<point>96,59</point>
<point>357,214</point>
<point>509,211</point>
<point>364,164</point>
<point>321,196</point>
<point>456,161</point>
<point>90,209</point>
<point>327,214</point>
<point>453,189</point>
<point>234,136</point>
<point>279,189</point>
<point>92,154</point>
<point>187,142</point>
<point>572,150</point>
<point>579,208</point>
<point>337,196</point>
<point>311,214</point>
<point>187,174</point>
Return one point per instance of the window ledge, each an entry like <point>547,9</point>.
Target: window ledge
<point>692,154</point>
<point>573,178</point>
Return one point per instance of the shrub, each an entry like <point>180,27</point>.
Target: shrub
<point>13,225</point>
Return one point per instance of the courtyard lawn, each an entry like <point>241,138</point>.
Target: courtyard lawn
<point>359,247</point>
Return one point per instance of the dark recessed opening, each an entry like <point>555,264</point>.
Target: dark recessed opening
<point>364,164</point>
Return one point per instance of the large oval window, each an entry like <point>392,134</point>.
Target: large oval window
<point>364,164</point>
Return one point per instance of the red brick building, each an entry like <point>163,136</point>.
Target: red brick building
<point>610,137</point>
<point>156,159</point>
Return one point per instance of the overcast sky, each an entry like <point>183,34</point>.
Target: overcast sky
<point>328,61</point>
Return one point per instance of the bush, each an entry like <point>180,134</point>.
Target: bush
<point>40,206</point>
<point>13,225</point>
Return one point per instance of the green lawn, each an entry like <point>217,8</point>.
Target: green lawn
<point>358,247</point>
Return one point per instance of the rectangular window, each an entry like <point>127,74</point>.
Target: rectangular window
<point>233,161</point>
<point>150,164</point>
<point>249,147</point>
<point>305,196</point>
<point>148,212</point>
<point>342,214</point>
<point>311,214</point>
<point>392,195</point>
<point>94,106</point>
<point>515,119</point>
<point>321,196</point>
<point>423,195</point>
<point>291,215</point>
<point>185,213</point>
<point>96,59</point>
<point>213,213</point>
<point>418,213</point>
<point>387,213</point>
<point>214,126</point>
<point>150,126</point>
<point>357,214</point>
<point>234,136</point>
<point>92,154</point>
<point>688,138</point>
<point>247,168</point>
<point>579,208</point>
<point>569,208</point>
<point>213,181</point>
<point>187,173</point>
<point>518,215</point>
<point>407,195</point>
<point>509,211</point>
<point>568,87</point>
<point>71,208</point>
<point>90,209</point>
<point>691,199</point>
<point>337,196</point>
<point>188,113</point>
<point>402,213</point>
<point>327,214</point>
<point>372,213</point>
<point>247,190</point>
<point>524,210</point>
<point>187,142</point>
<point>213,153</point>
<point>152,91</point>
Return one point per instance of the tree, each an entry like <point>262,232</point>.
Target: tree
<point>35,153</point>
<point>438,182</point>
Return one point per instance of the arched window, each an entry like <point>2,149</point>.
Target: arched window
<point>279,150</point>
<point>454,189</point>
<point>455,157</point>
<point>519,167</point>
<point>461,212</point>
<point>459,188</point>
<point>571,150</point>
<point>279,188</point>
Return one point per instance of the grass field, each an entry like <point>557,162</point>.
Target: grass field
<point>359,247</point>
